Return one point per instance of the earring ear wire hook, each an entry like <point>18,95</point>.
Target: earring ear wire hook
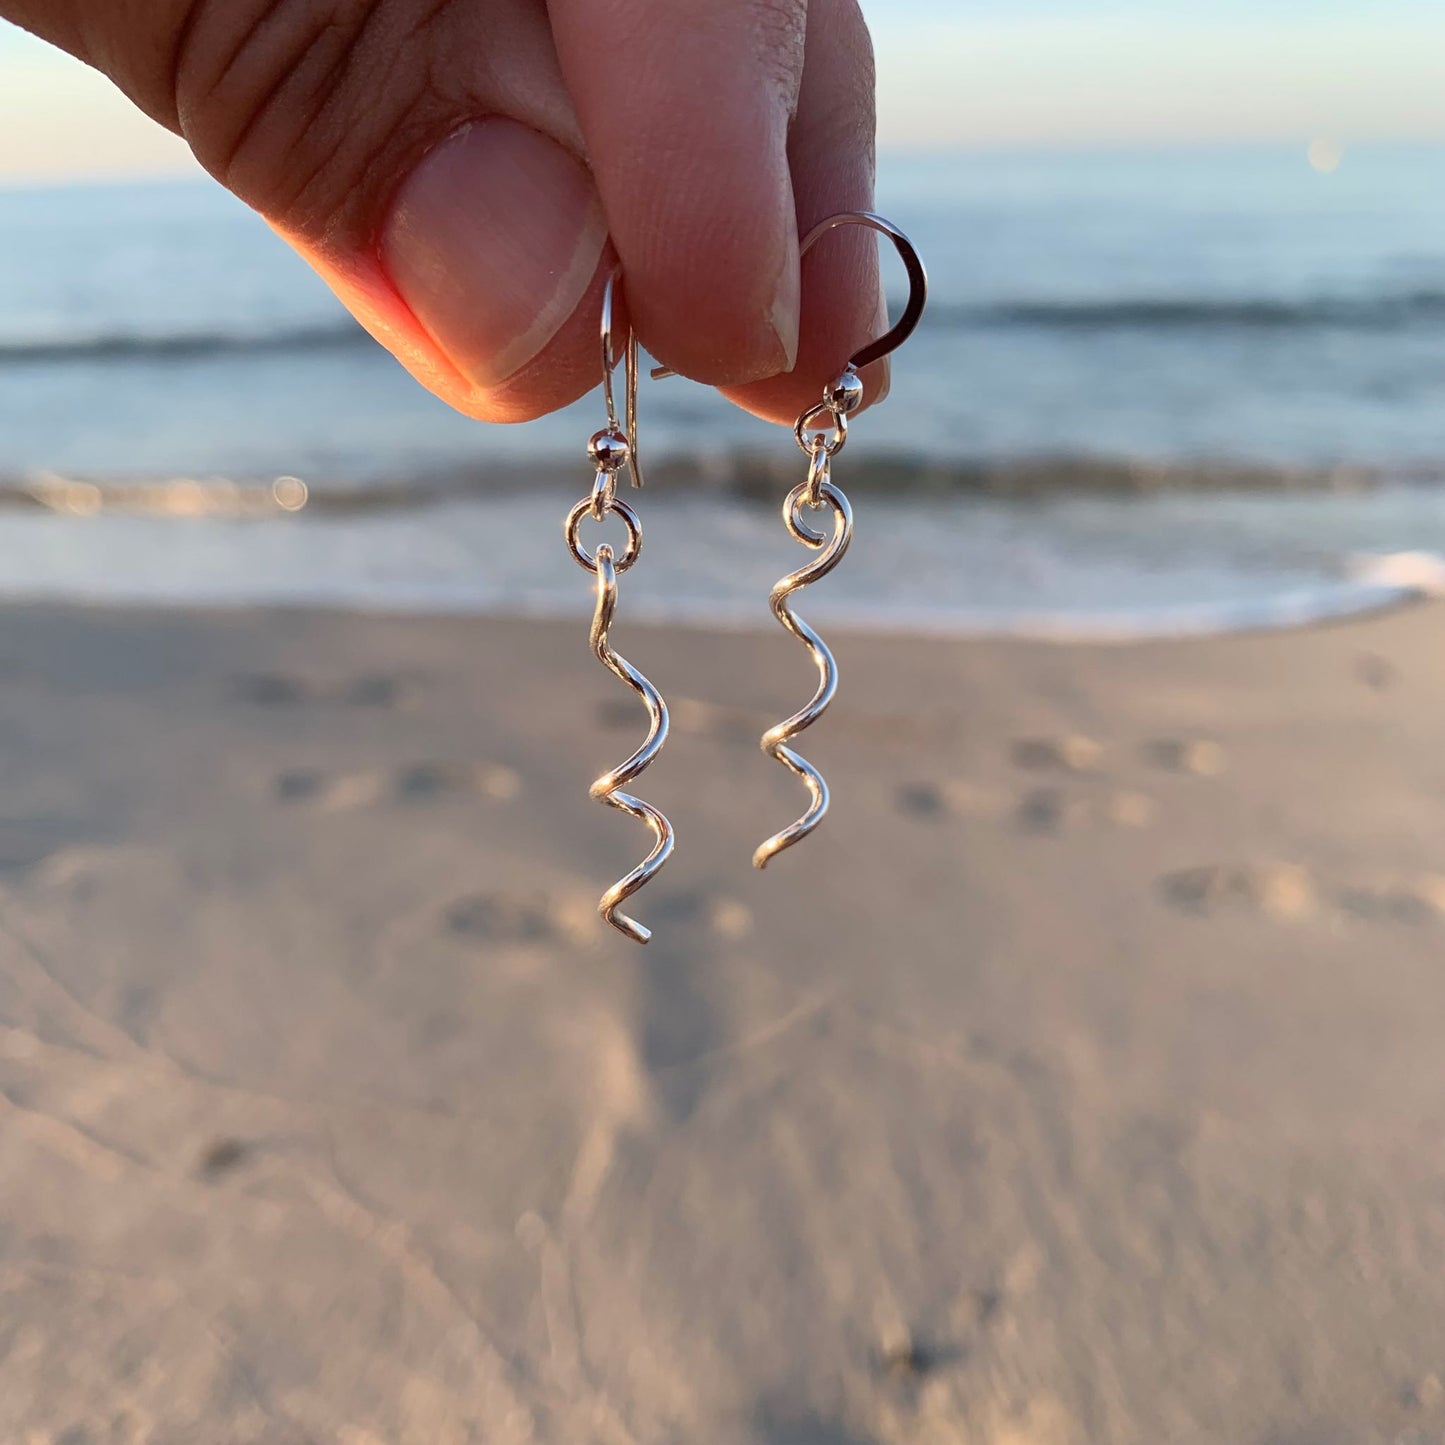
<point>906,324</point>
<point>631,369</point>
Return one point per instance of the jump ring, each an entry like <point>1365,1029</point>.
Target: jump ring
<point>588,560</point>
<point>820,440</point>
<point>604,494</point>
<point>820,471</point>
<point>798,499</point>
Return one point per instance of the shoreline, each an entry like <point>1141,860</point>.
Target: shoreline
<point>1287,616</point>
<point>1083,569</point>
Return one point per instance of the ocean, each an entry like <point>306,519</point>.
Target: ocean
<point>1172,390</point>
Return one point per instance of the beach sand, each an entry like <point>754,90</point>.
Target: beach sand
<point>1082,1080</point>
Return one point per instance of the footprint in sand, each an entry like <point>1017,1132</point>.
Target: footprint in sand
<point>1056,810</point>
<point>1041,810</point>
<point>329,792</point>
<point>723,917</point>
<point>415,784</point>
<point>1067,753</point>
<point>923,800</point>
<point>371,691</point>
<point>424,782</point>
<point>221,1157</point>
<point>909,1360</point>
<point>692,717</point>
<point>953,798</point>
<point>1284,891</point>
<point>504,918</point>
<point>277,689</point>
<point>1377,673</point>
<point>1197,757</point>
<point>1426,1393</point>
<point>1412,901</point>
<point>1291,893</point>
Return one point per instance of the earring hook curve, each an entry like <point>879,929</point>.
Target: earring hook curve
<point>906,324</point>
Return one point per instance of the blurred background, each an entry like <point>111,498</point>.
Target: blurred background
<point>1195,262</point>
<point>1079,1083</point>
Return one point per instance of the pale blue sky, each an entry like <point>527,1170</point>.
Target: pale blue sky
<point>956,73</point>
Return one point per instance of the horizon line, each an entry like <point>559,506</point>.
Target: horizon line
<point>23,180</point>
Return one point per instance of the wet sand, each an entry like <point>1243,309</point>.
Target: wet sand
<point>1081,1081</point>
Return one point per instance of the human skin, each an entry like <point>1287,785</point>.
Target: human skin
<point>465,173</point>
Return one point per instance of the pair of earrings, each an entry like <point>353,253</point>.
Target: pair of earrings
<point>821,433</point>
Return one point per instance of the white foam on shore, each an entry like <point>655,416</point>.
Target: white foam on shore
<point>1103,571</point>
<point>1289,610</point>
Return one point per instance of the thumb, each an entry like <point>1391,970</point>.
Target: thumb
<point>424,158</point>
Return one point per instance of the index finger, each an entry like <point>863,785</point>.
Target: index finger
<point>686,107</point>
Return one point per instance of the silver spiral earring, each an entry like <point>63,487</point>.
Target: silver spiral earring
<point>611,450</point>
<point>822,432</point>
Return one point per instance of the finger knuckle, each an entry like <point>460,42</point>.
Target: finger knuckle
<point>840,47</point>
<point>302,106</point>
<point>781,27</point>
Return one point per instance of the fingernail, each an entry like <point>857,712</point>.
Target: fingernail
<point>785,314</point>
<point>493,242</point>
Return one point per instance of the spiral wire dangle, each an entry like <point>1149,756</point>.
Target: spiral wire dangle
<point>822,432</point>
<point>608,788</point>
<point>611,450</point>
<point>831,552</point>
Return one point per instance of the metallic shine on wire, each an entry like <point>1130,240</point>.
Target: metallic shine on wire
<point>775,740</point>
<point>822,432</point>
<point>608,788</point>
<point>612,450</point>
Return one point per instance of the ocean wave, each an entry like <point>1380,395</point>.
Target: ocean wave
<point>746,476</point>
<point>1111,313</point>
<point>1046,582</point>
<point>1185,313</point>
<point>181,345</point>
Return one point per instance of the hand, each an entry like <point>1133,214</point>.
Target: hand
<point>454,169</point>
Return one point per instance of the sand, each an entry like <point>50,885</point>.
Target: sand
<point>1081,1081</point>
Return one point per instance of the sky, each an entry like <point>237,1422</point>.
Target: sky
<point>959,74</point>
